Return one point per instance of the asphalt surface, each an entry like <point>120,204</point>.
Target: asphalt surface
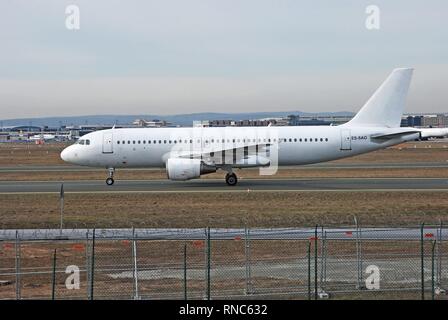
<point>219,185</point>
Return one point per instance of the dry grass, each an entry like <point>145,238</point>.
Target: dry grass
<point>193,210</point>
<point>30,154</point>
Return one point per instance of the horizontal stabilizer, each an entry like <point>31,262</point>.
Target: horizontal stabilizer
<point>393,135</point>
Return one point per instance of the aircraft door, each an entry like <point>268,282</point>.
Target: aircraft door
<point>108,143</point>
<point>346,139</point>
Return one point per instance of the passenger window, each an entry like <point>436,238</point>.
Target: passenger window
<point>129,142</point>
<point>326,139</point>
<point>306,139</point>
<point>300,140</point>
<point>290,140</point>
<point>139,141</point>
<point>295,139</point>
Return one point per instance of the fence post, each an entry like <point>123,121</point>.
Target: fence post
<point>315,264</point>
<point>185,270</point>
<point>432,269</point>
<point>248,260</point>
<point>323,267</point>
<point>309,269</point>
<point>92,266</point>
<point>18,267</point>
<point>134,258</point>
<point>359,263</point>
<point>439,255</point>
<point>88,265</point>
<point>53,282</point>
<point>422,256</point>
<point>208,263</point>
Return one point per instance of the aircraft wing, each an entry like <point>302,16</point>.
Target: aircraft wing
<point>254,155</point>
<point>424,133</point>
<point>434,132</point>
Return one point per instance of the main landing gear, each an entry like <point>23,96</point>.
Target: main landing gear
<point>110,181</point>
<point>231,179</point>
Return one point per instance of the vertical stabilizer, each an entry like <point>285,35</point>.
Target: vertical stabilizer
<point>385,107</point>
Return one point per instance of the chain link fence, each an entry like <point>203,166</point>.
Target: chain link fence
<point>316,263</point>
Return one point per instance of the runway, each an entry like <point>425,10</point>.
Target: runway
<point>218,185</point>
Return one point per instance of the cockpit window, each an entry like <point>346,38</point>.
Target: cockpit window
<point>84,142</point>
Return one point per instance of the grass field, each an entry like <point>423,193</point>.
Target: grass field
<point>220,209</point>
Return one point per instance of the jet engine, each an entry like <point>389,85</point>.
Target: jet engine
<point>185,169</point>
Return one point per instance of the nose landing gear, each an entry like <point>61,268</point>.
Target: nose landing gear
<point>110,181</point>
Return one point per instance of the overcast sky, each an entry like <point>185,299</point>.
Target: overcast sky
<point>178,56</point>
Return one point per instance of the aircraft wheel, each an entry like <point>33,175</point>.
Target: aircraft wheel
<point>231,179</point>
<point>110,181</point>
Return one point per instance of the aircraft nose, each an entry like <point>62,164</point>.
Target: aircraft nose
<point>66,154</point>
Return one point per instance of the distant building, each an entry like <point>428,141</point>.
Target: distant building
<point>437,120</point>
<point>5,136</point>
<point>151,123</point>
<point>290,120</point>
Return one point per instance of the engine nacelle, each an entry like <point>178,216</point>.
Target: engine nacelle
<point>185,169</point>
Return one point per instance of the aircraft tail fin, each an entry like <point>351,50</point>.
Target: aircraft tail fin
<point>385,107</point>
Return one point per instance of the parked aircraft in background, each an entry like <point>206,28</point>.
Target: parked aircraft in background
<point>44,137</point>
<point>188,153</point>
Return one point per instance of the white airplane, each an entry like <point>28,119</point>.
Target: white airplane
<point>43,136</point>
<point>188,153</point>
